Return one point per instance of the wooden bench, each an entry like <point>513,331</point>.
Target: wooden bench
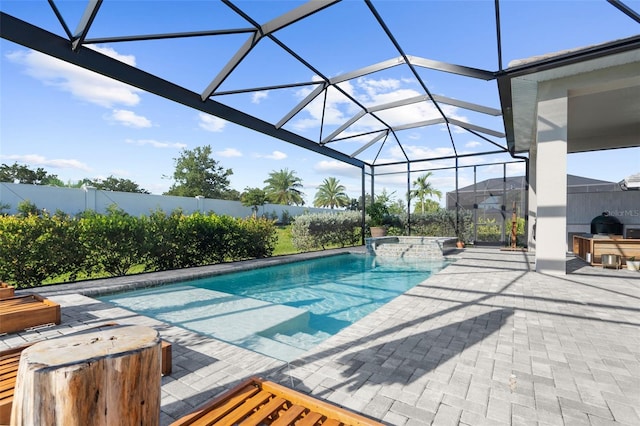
<point>10,361</point>
<point>259,402</point>
<point>31,310</point>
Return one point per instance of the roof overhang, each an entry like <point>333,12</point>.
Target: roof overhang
<point>603,87</point>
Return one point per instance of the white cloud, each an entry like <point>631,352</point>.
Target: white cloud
<point>229,152</point>
<point>129,118</point>
<point>373,87</point>
<point>336,108</point>
<point>275,155</point>
<point>81,83</point>
<point>337,168</point>
<point>334,111</point>
<point>156,144</point>
<point>417,151</point>
<point>257,97</point>
<point>472,144</point>
<point>211,123</point>
<point>108,51</point>
<point>40,160</point>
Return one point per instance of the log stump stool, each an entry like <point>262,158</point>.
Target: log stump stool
<point>105,377</point>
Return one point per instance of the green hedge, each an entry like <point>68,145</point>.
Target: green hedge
<point>322,230</point>
<point>442,223</point>
<point>36,248</point>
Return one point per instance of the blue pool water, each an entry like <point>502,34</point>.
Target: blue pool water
<point>281,311</point>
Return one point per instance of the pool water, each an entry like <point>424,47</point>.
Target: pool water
<point>281,311</point>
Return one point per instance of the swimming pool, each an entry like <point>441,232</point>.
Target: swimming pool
<point>281,311</point>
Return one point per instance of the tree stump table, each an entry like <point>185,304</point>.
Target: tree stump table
<point>105,377</point>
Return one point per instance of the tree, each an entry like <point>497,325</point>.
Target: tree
<point>429,206</point>
<point>19,173</point>
<point>354,204</point>
<point>117,184</point>
<point>254,198</point>
<point>231,195</point>
<point>26,208</point>
<point>397,207</point>
<point>331,194</point>
<point>385,197</point>
<point>424,189</point>
<point>282,188</point>
<point>198,174</point>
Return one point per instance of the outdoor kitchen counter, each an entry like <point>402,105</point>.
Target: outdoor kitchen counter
<point>594,248</point>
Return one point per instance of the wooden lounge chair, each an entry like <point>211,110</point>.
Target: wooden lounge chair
<point>259,402</point>
<point>10,361</point>
<point>20,312</point>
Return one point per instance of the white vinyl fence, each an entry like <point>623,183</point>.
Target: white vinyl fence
<point>77,200</point>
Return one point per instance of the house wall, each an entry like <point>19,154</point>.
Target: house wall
<point>583,207</point>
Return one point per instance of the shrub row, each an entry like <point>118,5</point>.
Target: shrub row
<point>442,223</point>
<point>322,230</point>
<point>41,247</point>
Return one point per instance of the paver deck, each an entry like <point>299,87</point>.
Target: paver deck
<point>484,342</point>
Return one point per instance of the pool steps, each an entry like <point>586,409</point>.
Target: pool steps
<point>284,332</point>
<point>254,324</point>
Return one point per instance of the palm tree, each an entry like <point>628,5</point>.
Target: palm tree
<point>331,194</point>
<point>424,189</point>
<point>282,188</point>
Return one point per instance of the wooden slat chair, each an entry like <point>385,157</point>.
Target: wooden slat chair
<point>31,310</point>
<point>10,361</point>
<point>258,402</point>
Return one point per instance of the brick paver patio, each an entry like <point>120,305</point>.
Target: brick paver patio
<point>484,342</point>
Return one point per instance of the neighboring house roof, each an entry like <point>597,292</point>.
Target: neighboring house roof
<point>518,182</point>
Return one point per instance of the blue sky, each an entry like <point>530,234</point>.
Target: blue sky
<point>77,124</point>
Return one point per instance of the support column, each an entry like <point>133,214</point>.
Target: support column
<point>532,199</point>
<point>551,182</point>
<point>363,206</point>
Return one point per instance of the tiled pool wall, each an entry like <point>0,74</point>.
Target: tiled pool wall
<point>410,247</point>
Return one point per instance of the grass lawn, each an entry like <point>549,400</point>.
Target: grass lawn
<point>284,244</point>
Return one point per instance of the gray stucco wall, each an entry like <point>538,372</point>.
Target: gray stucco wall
<point>583,207</point>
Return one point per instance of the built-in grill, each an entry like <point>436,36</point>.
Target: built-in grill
<point>605,224</point>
